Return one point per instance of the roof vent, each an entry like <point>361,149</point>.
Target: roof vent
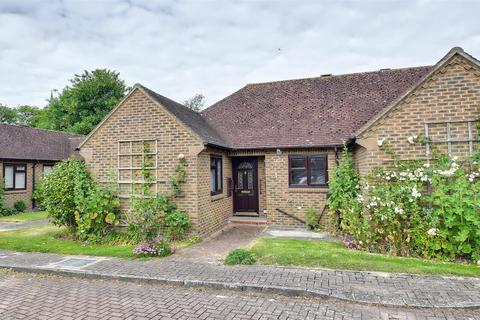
<point>326,75</point>
<point>385,69</point>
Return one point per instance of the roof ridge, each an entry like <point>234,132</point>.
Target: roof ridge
<point>337,75</point>
<point>42,129</point>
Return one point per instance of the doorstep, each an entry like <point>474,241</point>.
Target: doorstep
<point>259,220</point>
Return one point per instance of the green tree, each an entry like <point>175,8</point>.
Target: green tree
<point>8,115</point>
<point>28,115</point>
<point>196,103</point>
<point>85,102</point>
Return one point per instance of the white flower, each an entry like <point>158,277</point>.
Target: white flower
<point>432,232</point>
<point>398,210</point>
<point>181,156</point>
<point>360,198</point>
<point>410,140</point>
<point>380,142</point>
<point>415,192</point>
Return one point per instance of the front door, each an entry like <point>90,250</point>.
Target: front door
<point>245,179</point>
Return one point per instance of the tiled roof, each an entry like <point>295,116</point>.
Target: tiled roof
<point>320,111</point>
<point>25,143</point>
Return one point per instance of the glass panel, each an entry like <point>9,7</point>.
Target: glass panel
<point>8,177</point>
<point>47,169</point>
<point>318,171</point>
<point>20,180</point>
<point>212,178</point>
<point>240,180</point>
<point>219,174</point>
<point>250,179</point>
<point>297,163</point>
<point>245,165</point>
<point>20,168</point>
<point>298,177</point>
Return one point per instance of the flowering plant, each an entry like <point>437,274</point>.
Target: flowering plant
<point>156,247</point>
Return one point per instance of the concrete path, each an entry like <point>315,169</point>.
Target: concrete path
<point>27,296</point>
<point>359,287</point>
<point>297,233</point>
<point>9,226</point>
<point>216,248</point>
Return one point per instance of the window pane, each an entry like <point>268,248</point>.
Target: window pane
<point>318,170</point>
<point>20,180</point>
<point>212,179</point>
<point>297,163</point>
<point>298,177</point>
<point>20,168</point>
<point>47,169</point>
<point>219,174</point>
<point>8,177</point>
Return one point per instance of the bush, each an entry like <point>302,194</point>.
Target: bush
<point>312,217</point>
<point>156,247</point>
<point>177,224</point>
<point>20,206</point>
<point>240,256</point>
<point>61,189</point>
<point>7,212</point>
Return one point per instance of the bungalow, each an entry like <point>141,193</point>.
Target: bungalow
<point>26,154</point>
<point>268,150</point>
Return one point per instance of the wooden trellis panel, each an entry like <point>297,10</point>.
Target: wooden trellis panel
<point>129,164</point>
<point>457,135</point>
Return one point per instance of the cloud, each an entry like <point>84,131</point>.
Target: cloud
<point>179,48</point>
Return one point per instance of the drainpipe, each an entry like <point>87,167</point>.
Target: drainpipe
<point>33,184</point>
<point>336,159</point>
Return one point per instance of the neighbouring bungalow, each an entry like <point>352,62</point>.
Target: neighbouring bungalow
<point>268,150</point>
<point>26,154</point>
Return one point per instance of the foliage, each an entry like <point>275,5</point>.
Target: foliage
<point>7,115</point>
<point>82,105</point>
<point>415,209</point>
<point>20,206</point>
<point>73,199</point>
<point>196,103</point>
<point>60,190</point>
<point>151,214</point>
<point>155,247</point>
<point>343,187</point>
<point>240,256</point>
<point>332,255</point>
<point>312,215</point>
<point>97,212</point>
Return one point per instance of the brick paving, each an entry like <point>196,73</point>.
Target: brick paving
<point>27,296</point>
<point>366,287</point>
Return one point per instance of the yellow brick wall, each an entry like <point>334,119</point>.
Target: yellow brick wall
<point>140,118</point>
<point>453,93</point>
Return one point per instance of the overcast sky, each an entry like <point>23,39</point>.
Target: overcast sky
<point>179,48</point>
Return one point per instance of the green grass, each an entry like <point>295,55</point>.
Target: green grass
<point>25,217</point>
<point>310,253</point>
<point>42,239</point>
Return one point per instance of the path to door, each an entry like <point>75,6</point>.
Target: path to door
<point>216,248</point>
<point>9,226</point>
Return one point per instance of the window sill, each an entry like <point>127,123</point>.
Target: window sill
<point>217,197</point>
<point>308,190</point>
<point>16,191</point>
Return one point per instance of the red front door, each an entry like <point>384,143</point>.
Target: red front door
<point>245,179</point>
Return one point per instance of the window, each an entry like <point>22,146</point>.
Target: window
<point>15,176</point>
<point>307,171</point>
<point>216,175</point>
<point>47,168</point>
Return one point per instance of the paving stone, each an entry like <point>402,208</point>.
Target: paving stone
<point>366,287</point>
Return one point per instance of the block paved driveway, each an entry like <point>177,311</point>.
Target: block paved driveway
<point>28,296</point>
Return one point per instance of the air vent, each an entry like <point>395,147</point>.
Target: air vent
<point>326,75</point>
<point>385,69</point>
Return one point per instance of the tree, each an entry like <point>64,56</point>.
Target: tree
<point>28,115</point>
<point>8,115</point>
<point>82,105</point>
<point>196,103</point>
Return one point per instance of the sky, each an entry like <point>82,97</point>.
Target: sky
<point>180,48</point>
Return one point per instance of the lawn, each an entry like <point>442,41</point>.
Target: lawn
<point>42,239</point>
<point>319,254</point>
<point>25,217</point>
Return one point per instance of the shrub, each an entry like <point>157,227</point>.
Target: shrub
<point>312,215</point>
<point>240,256</point>
<point>20,206</point>
<point>61,189</point>
<point>177,223</point>
<point>156,247</point>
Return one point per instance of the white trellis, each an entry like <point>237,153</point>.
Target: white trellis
<point>470,139</point>
<point>131,167</point>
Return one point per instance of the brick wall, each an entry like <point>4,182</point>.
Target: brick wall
<point>139,118</point>
<point>453,93</point>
